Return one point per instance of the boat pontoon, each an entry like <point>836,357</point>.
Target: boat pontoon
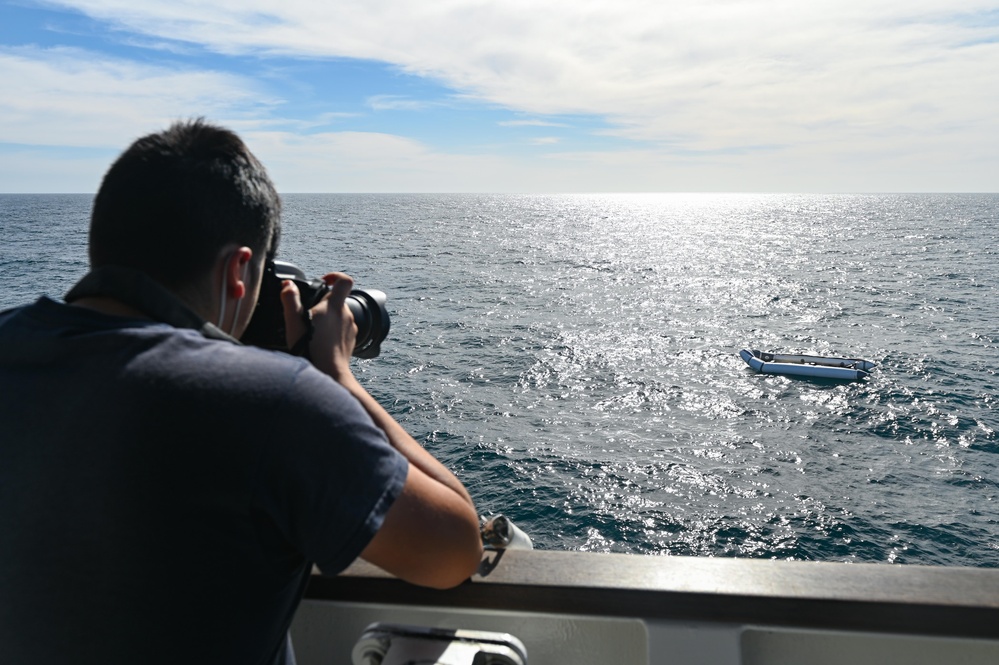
<point>825,367</point>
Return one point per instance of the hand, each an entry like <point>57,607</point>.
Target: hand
<point>334,331</point>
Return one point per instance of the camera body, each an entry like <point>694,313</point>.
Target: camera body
<point>267,330</point>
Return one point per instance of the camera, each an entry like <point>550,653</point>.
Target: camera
<point>266,328</point>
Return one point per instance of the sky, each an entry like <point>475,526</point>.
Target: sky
<point>515,95</point>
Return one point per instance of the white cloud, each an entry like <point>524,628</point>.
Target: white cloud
<point>397,103</point>
<point>530,123</point>
<point>704,75</point>
<point>71,97</point>
<point>28,170</point>
<point>371,162</point>
<point>758,90</point>
<point>368,162</point>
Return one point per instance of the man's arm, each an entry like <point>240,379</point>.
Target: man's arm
<point>430,535</point>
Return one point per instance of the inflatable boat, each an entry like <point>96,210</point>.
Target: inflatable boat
<point>803,365</point>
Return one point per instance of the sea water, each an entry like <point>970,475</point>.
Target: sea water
<point>574,358</point>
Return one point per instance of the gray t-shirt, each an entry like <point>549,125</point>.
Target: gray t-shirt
<point>163,495</point>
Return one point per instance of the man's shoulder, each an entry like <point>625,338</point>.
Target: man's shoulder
<point>15,313</point>
<point>29,328</point>
<point>141,347</point>
<point>188,352</point>
<point>47,316</point>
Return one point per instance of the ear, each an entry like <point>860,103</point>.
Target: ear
<point>236,272</point>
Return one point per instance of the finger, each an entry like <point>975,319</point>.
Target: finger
<point>340,287</point>
<point>291,303</point>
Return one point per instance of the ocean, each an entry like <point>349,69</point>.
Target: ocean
<point>574,358</point>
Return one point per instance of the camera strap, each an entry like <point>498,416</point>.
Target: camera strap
<point>301,348</point>
<point>140,291</point>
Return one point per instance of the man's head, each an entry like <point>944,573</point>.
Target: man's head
<point>174,200</point>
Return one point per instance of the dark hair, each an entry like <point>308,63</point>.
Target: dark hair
<point>174,199</point>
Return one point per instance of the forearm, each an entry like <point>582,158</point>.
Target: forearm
<point>331,347</point>
<point>403,442</point>
<point>430,535</point>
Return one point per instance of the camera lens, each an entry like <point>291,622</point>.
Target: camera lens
<point>266,328</point>
<point>372,320</point>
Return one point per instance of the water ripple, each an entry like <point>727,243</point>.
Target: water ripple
<point>574,359</point>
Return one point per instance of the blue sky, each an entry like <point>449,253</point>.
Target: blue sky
<point>518,96</point>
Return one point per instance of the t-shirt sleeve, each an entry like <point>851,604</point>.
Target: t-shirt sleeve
<point>329,475</point>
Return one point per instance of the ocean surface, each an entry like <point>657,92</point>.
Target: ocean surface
<point>575,359</point>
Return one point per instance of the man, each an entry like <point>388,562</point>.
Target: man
<point>164,490</point>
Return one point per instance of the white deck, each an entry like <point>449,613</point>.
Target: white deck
<point>629,610</point>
